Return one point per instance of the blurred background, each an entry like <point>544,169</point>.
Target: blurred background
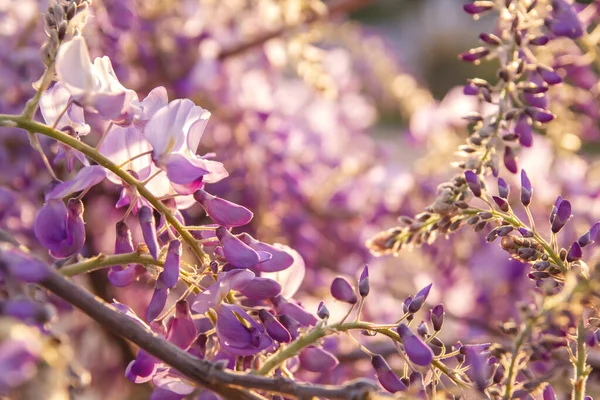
<point>331,127</point>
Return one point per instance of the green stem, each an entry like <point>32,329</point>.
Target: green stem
<point>32,126</point>
<point>321,331</point>
<point>512,368</point>
<point>103,261</point>
<point>581,372</point>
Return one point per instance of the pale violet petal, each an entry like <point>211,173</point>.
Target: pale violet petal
<point>85,178</point>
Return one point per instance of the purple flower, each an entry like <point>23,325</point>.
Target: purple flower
<point>436,315</point>
<point>20,354</point>
<point>60,228</point>
<point>315,359</point>
<point>539,114</point>
<point>590,236</point>
<point>503,188</point>
<point>27,310</point>
<point>478,7</point>
<point>526,189</point>
<point>417,302</point>
<point>524,131</point>
<point>416,350</point>
<point>560,218</point>
<point>274,328</point>
<point>501,203</point>
<point>474,55</point>
<point>548,393</point>
<point>510,160</point>
<point>181,329</point>
<point>213,295</point>
<point>261,288</point>
<point>363,282</point>
<point>148,225</point>
<point>322,311</point>
<point>85,179</point>
<point>280,259</point>
<point>22,266</point>
<point>294,311</point>
<point>238,338</point>
<point>237,253</point>
<point>388,379</point>
<point>170,274</point>
<point>157,302</point>
<point>223,212</point>
<point>143,368</point>
<point>564,20</point>
<point>575,253</point>
<point>342,290</point>
<point>473,182</point>
<point>549,75</point>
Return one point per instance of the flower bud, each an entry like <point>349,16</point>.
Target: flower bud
<point>182,330</point>
<point>575,253</point>
<point>388,379</point>
<point>416,350</point>
<point>342,290</point>
<point>363,282</point>
<point>236,252</point>
<point>157,302</point>
<point>148,225</point>
<point>503,188</point>
<point>322,311</point>
<point>510,160</point>
<point>417,302</point>
<point>223,212</point>
<point>562,215</point>
<point>473,183</point>
<point>274,328</point>
<point>526,189</point>
<point>315,359</point>
<point>436,315</point>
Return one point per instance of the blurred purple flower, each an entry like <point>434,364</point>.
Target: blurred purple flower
<point>315,359</point>
<point>416,350</point>
<point>388,379</point>
<point>60,228</point>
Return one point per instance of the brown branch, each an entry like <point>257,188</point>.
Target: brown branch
<point>227,383</point>
<point>335,8</point>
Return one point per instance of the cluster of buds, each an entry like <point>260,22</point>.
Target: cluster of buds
<point>63,18</point>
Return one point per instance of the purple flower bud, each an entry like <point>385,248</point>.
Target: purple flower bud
<point>473,182</point>
<point>274,328</point>
<point>237,253</point>
<point>591,339</point>
<point>315,359</point>
<point>60,228</point>
<point>526,233</point>
<point>471,89</point>
<point>564,20</point>
<point>526,189</point>
<point>417,302</point>
<point>223,212</point>
<point>388,379</point>
<point>363,282</point>
<point>406,304</point>
<point>490,39</point>
<point>294,311</point>
<point>479,370</point>
<point>559,200</point>
<point>563,213</point>
<point>501,203</point>
<point>342,290</point>
<point>120,276</point>
<point>261,288</point>
<point>539,114</point>
<point>279,261</point>
<point>322,311</point>
<point>242,339</point>
<point>575,253</point>
<point>291,325</point>
<point>524,131</point>
<point>148,225</point>
<point>22,266</point>
<point>170,274</point>
<point>474,55</point>
<point>416,350</point>
<point>157,302</point>
<point>590,236</point>
<point>510,160</point>
<point>548,393</point>
<point>182,331</point>
<point>549,75</point>
<point>478,7</point>
<point>123,242</point>
<point>422,329</point>
<point>143,368</point>
<point>436,315</point>
<point>539,40</point>
<point>27,310</point>
<point>503,188</point>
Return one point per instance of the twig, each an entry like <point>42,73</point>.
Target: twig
<point>224,382</point>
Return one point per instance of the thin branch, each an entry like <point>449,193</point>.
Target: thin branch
<point>211,376</point>
<point>338,7</point>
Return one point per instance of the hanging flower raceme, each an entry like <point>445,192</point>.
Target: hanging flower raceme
<point>60,228</point>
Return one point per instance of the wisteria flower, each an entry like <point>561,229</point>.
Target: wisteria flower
<point>92,86</point>
<point>243,339</point>
<point>60,228</point>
